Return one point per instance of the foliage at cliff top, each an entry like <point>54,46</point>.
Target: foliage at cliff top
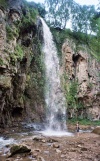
<point>36,6</point>
<point>85,21</point>
<point>3,3</point>
<point>91,42</point>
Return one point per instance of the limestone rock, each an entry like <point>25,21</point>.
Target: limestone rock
<point>81,66</point>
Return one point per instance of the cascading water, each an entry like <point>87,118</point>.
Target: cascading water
<point>54,98</point>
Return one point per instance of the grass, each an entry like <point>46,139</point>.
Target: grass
<point>84,122</point>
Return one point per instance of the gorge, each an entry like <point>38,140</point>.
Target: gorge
<point>22,76</point>
<point>44,72</point>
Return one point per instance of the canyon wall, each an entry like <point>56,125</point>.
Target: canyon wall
<point>81,67</point>
<point>21,67</point>
<point>22,75</point>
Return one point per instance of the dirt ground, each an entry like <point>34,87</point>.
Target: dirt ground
<point>85,147</point>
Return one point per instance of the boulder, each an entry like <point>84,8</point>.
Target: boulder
<point>96,130</point>
<point>17,149</point>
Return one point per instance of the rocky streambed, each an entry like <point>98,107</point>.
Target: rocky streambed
<point>28,145</point>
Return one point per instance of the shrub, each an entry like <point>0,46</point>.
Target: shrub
<point>1,62</point>
<point>18,53</point>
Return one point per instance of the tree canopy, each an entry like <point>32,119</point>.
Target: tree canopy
<point>59,12</point>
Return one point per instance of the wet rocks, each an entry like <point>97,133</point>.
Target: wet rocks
<point>85,147</point>
<point>38,138</point>
<point>17,149</point>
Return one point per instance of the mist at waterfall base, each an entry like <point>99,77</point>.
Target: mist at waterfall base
<point>54,97</point>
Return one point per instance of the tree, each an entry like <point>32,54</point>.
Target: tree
<point>41,9</point>
<point>81,18</point>
<point>58,12</point>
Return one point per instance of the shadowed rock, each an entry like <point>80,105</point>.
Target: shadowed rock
<point>17,149</point>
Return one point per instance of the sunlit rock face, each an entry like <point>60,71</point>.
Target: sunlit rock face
<point>81,66</point>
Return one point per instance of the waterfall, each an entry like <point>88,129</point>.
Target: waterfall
<point>54,97</point>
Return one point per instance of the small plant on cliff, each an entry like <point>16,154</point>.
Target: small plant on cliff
<point>71,92</point>
<point>18,53</point>
<point>11,32</point>
<point>1,62</point>
<point>90,85</point>
<point>29,19</point>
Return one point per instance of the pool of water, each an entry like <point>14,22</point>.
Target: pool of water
<point>50,132</point>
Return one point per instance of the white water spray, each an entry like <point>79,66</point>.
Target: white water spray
<point>54,97</point>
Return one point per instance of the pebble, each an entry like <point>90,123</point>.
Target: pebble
<point>55,145</point>
<point>43,141</point>
<point>37,150</point>
<point>58,151</point>
<point>41,159</point>
<point>46,152</point>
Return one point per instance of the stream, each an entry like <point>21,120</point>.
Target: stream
<point>28,131</point>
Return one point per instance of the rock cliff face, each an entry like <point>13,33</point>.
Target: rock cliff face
<point>21,69</point>
<point>22,75</point>
<point>80,66</point>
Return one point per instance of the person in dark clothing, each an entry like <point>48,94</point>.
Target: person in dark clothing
<point>77,128</point>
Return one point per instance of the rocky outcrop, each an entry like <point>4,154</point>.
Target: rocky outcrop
<point>96,130</point>
<point>17,149</point>
<point>21,72</point>
<point>79,65</point>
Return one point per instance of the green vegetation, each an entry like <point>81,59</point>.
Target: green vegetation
<point>71,95</point>
<point>11,32</point>
<point>1,62</point>
<point>90,85</point>
<point>41,9</point>
<point>3,3</point>
<point>82,41</point>
<point>59,38</point>
<point>29,19</point>
<point>18,54</point>
<point>36,76</point>
<point>94,46</point>
<point>85,22</point>
<point>39,78</point>
<point>84,122</point>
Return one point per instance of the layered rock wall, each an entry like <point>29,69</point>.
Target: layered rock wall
<point>21,72</point>
<point>80,66</point>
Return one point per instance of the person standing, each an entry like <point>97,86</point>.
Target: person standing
<point>77,128</point>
